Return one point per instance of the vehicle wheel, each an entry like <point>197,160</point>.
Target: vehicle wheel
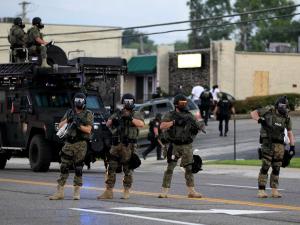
<point>39,154</point>
<point>3,161</point>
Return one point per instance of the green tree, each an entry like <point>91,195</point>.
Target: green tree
<point>200,9</point>
<point>257,36</point>
<point>181,45</point>
<point>132,39</point>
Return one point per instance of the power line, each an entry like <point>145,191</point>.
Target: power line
<point>176,30</point>
<point>173,23</point>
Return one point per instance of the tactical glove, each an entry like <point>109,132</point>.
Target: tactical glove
<point>292,150</point>
<point>77,122</point>
<point>179,122</point>
<point>262,121</point>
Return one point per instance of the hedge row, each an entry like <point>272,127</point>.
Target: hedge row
<point>251,103</point>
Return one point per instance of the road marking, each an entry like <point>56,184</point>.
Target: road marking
<point>153,194</point>
<point>136,216</point>
<point>210,211</point>
<point>238,186</point>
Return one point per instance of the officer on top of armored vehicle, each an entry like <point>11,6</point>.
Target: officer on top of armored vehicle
<point>17,40</point>
<point>35,42</point>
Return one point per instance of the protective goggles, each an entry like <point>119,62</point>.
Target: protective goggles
<point>79,100</point>
<point>282,106</point>
<point>129,101</point>
<point>182,104</point>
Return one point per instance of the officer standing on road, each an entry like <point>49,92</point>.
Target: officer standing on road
<point>17,39</point>
<point>124,125</point>
<point>153,137</point>
<point>80,121</point>
<point>182,127</point>
<point>206,100</point>
<point>35,41</point>
<point>273,122</point>
<point>223,113</point>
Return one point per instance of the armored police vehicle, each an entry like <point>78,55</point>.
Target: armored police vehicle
<point>34,99</point>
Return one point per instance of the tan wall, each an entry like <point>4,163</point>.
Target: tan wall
<point>283,70</point>
<point>100,48</point>
<point>245,74</point>
<point>162,77</point>
<point>129,84</point>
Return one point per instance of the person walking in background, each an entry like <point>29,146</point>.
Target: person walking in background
<point>223,112</point>
<point>153,137</point>
<point>206,100</point>
<point>196,92</point>
<point>214,91</point>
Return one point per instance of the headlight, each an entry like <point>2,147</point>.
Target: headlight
<point>96,126</point>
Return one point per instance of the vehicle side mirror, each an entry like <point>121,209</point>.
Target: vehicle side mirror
<point>146,113</point>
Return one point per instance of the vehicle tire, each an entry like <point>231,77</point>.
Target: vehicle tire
<point>39,154</point>
<point>3,161</point>
<point>3,157</point>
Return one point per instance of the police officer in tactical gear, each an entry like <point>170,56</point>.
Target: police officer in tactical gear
<point>75,147</point>
<point>181,127</point>
<point>153,137</point>
<point>206,100</point>
<point>35,42</point>
<point>17,40</point>
<point>124,126</point>
<point>273,121</point>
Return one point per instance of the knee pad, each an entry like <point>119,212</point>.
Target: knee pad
<point>264,171</point>
<point>276,171</point>
<point>64,169</point>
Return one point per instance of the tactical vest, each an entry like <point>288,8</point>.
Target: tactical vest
<point>76,134</point>
<point>181,135</point>
<point>30,37</point>
<point>205,98</point>
<point>16,41</point>
<point>274,131</point>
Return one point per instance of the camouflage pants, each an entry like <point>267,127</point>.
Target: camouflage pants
<point>72,155</point>
<point>119,154</point>
<point>38,50</point>
<point>271,157</point>
<point>185,152</point>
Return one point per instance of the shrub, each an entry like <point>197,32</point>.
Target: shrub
<point>251,103</point>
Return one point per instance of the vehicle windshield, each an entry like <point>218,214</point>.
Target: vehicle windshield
<point>191,105</point>
<point>57,100</point>
<point>93,102</point>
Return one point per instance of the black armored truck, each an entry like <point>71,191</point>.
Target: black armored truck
<point>34,99</point>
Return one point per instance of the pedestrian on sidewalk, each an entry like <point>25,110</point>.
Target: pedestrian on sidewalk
<point>273,121</point>
<point>223,112</point>
<point>206,100</point>
<point>153,137</point>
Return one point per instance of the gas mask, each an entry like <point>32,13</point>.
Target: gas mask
<point>79,103</point>
<point>128,104</point>
<point>282,109</point>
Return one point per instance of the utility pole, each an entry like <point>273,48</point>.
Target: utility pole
<point>24,5</point>
<point>142,44</point>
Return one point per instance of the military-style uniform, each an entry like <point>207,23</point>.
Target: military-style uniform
<point>181,139</point>
<point>272,145</point>
<point>17,39</point>
<point>74,150</point>
<point>35,48</point>
<point>124,138</point>
<point>206,101</point>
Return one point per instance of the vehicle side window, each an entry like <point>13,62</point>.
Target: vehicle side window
<point>9,103</point>
<point>2,101</point>
<point>163,107</point>
<point>24,103</point>
<point>149,109</point>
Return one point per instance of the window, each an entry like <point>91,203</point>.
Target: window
<point>149,109</point>
<point>164,107</point>
<point>52,100</point>
<point>93,102</point>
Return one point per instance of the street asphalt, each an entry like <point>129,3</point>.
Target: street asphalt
<point>229,192</point>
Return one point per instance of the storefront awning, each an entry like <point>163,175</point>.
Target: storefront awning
<point>142,65</point>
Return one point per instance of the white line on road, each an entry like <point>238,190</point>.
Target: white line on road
<point>210,211</point>
<point>136,216</point>
<point>239,186</point>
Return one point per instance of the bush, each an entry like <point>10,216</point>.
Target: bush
<point>252,103</point>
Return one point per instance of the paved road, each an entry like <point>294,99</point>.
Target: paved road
<point>212,146</point>
<point>229,198</point>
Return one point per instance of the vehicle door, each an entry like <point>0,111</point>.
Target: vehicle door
<point>148,112</point>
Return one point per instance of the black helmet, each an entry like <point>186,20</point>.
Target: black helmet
<point>180,101</point>
<point>19,22</point>
<point>128,101</point>
<point>37,21</point>
<point>282,105</point>
<point>134,161</point>
<point>197,164</point>
<point>80,100</point>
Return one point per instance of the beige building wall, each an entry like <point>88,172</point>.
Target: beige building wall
<point>162,79</point>
<point>246,74</point>
<point>96,48</point>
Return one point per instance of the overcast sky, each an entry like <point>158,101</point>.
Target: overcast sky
<point>121,13</point>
